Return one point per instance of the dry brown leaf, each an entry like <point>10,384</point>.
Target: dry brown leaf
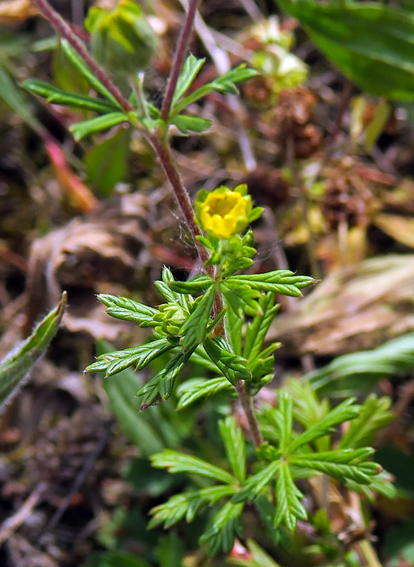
<point>353,309</point>
<point>398,227</point>
<point>16,11</point>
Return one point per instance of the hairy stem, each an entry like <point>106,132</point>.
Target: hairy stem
<point>179,56</point>
<point>64,30</point>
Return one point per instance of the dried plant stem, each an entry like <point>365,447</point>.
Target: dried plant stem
<point>179,56</point>
<point>64,30</point>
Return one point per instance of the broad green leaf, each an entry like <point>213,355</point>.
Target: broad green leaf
<point>86,72</point>
<point>283,282</point>
<point>234,329</point>
<point>189,72</point>
<point>59,96</point>
<point>128,310</point>
<point>343,412</point>
<point>223,529</point>
<point>257,329</point>
<point>140,356</point>
<point>97,124</point>
<point>106,162</point>
<point>232,366</point>
<point>372,43</point>
<point>15,367</point>
<point>177,462</point>
<point>374,415</point>
<point>115,559</point>
<point>235,446</point>
<point>195,389</point>
<point>126,408</point>
<point>288,506</point>
<point>187,505</point>
<point>186,123</point>
<point>267,512</point>
<point>195,328</point>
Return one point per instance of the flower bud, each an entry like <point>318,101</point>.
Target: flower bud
<point>121,39</point>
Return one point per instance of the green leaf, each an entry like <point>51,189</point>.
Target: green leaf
<point>361,473</point>
<point>343,412</point>
<point>352,373</point>
<point>14,368</point>
<point>234,328</point>
<point>189,72</point>
<point>86,72</point>
<point>115,559</point>
<point>137,426</point>
<point>283,282</point>
<point>177,462</point>
<point>232,366</point>
<point>187,505</point>
<point>97,124</point>
<point>256,483</point>
<point>195,389</point>
<point>374,415</point>
<point>256,330</point>
<point>284,419</point>
<point>195,328</point>
<point>240,298</point>
<point>160,386</point>
<point>267,512</point>
<point>198,283</point>
<point>106,162</point>
<point>224,84</point>
<point>368,41</point>
<point>186,123</point>
<point>141,356</point>
<point>223,529</point>
<point>288,506</point>
<point>128,309</point>
<point>235,446</point>
<point>165,288</point>
<point>15,98</point>
<point>59,96</point>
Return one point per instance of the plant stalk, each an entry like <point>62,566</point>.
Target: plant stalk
<point>64,30</point>
<point>179,56</point>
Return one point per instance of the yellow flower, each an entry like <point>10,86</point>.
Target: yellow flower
<point>223,212</point>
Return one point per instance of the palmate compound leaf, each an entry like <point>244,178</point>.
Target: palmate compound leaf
<point>223,528</point>
<point>235,446</point>
<point>283,282</point>
<point>140,356</point>
<point>232,366</point>
<point>128,310</point>
<point>187,505</point>
<point>15,367</point>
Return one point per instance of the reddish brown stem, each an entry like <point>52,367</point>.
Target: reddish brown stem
<point>180,55</point>
<point>64,30</point>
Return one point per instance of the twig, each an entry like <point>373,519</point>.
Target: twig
<point>10,525</point>
<point>63,29</point>
<point>180,54</point>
